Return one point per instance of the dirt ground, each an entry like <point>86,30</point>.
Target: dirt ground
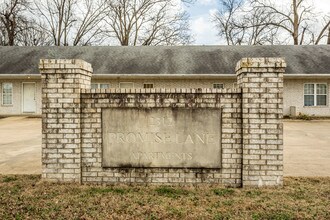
<point>306,147</point>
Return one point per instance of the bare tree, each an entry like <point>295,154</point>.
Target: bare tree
<point>12,20</point>
<point>147,22</point>
<point>90,24</point>
<point>294,20</point>
<point>240,24</point>
<point>323,33</point>
<point>267,22</point>
<point>84,22</point>
<point>225,20</point>
<point>258,34</point>
<point>70,22</point>
<point>33,35</point>
<point>297,20</point>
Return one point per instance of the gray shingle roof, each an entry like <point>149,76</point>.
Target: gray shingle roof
<point>166,60</point>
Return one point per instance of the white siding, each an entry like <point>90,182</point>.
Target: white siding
<point>16,107</point>
<point>294,96</point>
<point>293,92</point>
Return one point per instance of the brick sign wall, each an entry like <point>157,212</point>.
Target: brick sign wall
<point>169,136</point>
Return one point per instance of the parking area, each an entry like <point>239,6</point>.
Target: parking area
<point>306,147</point>
<point>20,145</point>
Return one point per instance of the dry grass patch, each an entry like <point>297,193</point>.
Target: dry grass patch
<point>27,197</point>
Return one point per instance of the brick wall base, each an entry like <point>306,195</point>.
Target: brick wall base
<point>251,126</point>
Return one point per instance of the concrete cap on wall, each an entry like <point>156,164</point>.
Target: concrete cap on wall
<point>46,64</point>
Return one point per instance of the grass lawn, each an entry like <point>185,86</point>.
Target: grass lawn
<point>27,197</point>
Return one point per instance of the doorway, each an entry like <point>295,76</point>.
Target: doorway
<point>29,97</point>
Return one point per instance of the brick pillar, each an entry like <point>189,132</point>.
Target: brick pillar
<point>261,80</point>
<point>62,81</point>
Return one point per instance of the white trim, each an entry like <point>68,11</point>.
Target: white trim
<point>196,76</point>
<point>12,94</point>
<point>35,98</point>
<point>126,82</point>
<point>20,76</point>
<point>99,85</point>
<point>315,94</point>
<point>307,76</point>
<point>166,76</point>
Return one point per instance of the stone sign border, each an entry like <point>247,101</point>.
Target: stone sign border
<point>252,151</point>
<point>228,100</point>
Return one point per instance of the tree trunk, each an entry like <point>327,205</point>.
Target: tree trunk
<point>328,42</point>
<point>295,22</point>
<point>10,26</point>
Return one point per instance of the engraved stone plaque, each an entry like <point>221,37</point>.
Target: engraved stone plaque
<point>161,137</point>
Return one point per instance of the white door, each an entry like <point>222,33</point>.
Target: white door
<point>29,97</point>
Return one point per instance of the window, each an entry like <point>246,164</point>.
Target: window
<point>315,94</point>
<point>126,85</point>
<point>217,86</point>
<point>148,85</point>
<point>7,93</point>
<point>100,86</point>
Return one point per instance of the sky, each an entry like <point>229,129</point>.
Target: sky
<point>203,29</point>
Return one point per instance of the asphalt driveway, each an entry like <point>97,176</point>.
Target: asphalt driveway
<point>306,147</point>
